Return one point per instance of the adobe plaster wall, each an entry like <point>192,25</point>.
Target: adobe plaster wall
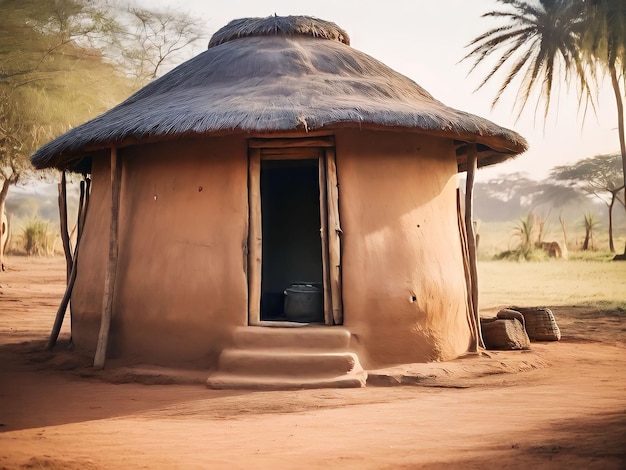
<point>181,283</point>
<point>404,293</point>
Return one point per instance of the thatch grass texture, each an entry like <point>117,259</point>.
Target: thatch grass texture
<point>279,26</point>
<point>263,84</point>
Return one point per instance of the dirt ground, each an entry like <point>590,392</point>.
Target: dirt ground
<point>569,414</point>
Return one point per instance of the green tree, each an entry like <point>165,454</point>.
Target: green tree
<point>600,177</point>
<point>65,61</point>
<point>546,42</point>
<point>51,78</point>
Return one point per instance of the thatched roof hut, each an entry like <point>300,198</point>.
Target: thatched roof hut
<point>253,149</point>
<point>279,78</point>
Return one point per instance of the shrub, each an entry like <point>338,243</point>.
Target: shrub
<point>533,254</point>
<point>37,239</point>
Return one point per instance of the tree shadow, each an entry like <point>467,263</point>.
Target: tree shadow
<point>596,441</point>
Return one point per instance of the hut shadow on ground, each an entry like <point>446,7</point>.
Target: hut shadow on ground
<point>39,388</point>
<point>53,388</point>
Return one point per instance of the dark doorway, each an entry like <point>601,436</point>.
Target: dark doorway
<point>290,213</point>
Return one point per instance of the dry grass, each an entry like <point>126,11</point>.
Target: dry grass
<point>498,237</point>
<point>34,237</point>
<point>554,283</point>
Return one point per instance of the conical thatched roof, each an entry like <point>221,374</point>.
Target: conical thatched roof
<point>263,75</point>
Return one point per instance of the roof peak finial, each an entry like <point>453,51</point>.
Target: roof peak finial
<point>280,26</point>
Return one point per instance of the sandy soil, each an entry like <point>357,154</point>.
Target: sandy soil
<point>569,414</point>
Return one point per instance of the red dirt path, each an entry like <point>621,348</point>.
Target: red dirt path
<point>570,414</point>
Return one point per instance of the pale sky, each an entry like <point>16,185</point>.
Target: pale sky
<point>424,40</point>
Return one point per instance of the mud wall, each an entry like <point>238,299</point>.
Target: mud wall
<point>181,284</point>
<point>404,293</point>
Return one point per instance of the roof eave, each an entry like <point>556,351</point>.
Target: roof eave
<point>492,149</point>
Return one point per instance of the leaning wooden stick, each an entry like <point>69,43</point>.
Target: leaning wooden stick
<point>471,316</point>
<point>83,205</point>
<point>65,238</point>
<point>472,164</point>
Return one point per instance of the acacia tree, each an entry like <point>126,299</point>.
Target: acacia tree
<point>546,42</point>
<point>515,194</point>
<point>146,42</point>
<point>599,177</point>
<point>60,64</point>
<point>47,80</point>
<point>16,137</point>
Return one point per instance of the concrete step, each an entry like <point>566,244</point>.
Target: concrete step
<point>227,381</point>
<point>310,337</point>
<point>287,362</point>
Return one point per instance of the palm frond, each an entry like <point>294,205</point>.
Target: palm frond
<point>519,65</point>
<point>541,41</point>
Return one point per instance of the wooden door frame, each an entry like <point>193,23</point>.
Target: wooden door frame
<point>322,149</point>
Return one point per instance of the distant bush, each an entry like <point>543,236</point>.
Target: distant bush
<point>532,254</point>
<point>37,239</point>
<point>526,238</point>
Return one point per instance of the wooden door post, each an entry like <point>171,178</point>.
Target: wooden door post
<point>255,237</point>
<point>334,235</point>
<point>328,304</point>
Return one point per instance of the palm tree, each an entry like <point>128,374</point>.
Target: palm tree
<point>524,234</point>
<point>541,42</point>
<point>603,41</point>
<point>547,40</point>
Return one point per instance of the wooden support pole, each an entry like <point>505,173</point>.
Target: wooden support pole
<point>81,221</point>
<point>65,237</point>
<point>255,239</point>
<point>471,316</point>
<point>472,165</point>
<point>334,235</point>
<point>83,206</point>
<point>109,280</point>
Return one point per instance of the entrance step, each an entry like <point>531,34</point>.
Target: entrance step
<point>225,381</point>
<point>286,362</point>
<point>265,358</point>
<point>314,337</point>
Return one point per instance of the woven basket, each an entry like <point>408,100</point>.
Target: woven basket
<point>540,323</point>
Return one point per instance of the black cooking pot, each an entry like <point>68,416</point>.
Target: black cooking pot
<point>304,302</point>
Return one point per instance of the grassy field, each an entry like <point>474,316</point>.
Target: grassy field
<point>496,237</point>
<point>552,283</point>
